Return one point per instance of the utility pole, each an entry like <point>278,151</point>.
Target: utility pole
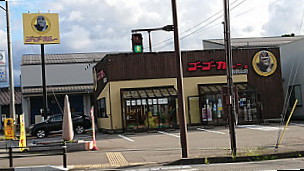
<point>180,90</point>
<point>10,64</point>
<point>150,41</point>
<point>228,54</point>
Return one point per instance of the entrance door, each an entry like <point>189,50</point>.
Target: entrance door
<point>247,106</point>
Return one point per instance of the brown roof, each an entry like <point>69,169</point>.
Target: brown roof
<point>32,59</point>
<point>87,88</point>
<point>5,96</point>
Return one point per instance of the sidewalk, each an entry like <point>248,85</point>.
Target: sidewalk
<point>155,149</point>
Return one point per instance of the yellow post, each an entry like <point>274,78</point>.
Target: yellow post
<point>293,108</point>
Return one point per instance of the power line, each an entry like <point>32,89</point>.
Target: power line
<point>201,28</point>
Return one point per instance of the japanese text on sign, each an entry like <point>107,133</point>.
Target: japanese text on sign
<point>45,39</point>
<point>207,66</point>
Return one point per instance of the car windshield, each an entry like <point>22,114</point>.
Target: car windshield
<point>56,118</point>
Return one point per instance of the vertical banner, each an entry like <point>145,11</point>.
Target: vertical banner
<point>9,128</point>
<point>93,129</point>
<point>22,141</point>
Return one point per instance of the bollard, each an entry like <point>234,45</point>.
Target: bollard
<point>10,151</point>
<point>64,155</point>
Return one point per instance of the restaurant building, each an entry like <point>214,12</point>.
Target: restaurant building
<point>138,92</point>
<point>291,55</point>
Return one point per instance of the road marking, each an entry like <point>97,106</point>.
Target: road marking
<point>260,128</point>
<point>181,168</point>
<point>166,133</point>
<point>216,132</point>
<point>117,159</point>
<point>126,138</point>
<point>296,124</point>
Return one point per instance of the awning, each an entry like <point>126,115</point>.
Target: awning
<point>215,89</point>
<point>152,92</point>
<point>67,89</point>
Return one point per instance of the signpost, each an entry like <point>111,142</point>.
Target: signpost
<point>41,28</point>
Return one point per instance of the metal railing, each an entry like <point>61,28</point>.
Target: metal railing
<point>34,151</point>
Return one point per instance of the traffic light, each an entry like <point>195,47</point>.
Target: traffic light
<point>137,45</point>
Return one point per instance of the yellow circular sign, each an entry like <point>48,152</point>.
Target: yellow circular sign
<point>264,63</point>
<point>41,24</point>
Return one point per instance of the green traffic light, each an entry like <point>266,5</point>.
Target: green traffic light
<point>138,49</point>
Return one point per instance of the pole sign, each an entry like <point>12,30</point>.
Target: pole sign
<point>41,28</point>
<point>2,58</point>
<point>9,128</point>
<point>3,77</point>
<point>2,67</point>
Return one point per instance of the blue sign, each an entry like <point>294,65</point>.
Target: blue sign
<point>3,74</point>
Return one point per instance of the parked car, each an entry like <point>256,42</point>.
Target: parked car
<point>81,122</point>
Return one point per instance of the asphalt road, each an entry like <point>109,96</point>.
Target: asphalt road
<point>280,164</point>
<point>160,148</point>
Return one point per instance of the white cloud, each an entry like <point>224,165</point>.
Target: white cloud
<point>75,16</point>
<point>77,38</point>
<point>105,25</point>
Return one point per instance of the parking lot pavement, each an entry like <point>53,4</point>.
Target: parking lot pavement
<point>161,147</point>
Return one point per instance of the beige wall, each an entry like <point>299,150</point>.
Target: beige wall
<point>115,94</point>
<point>105,122</point>
<point>190,89</point>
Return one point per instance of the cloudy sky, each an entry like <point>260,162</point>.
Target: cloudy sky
<point>105,25</point>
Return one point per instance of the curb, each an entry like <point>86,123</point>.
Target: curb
<point>212,160</point>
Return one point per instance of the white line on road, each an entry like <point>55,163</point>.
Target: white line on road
<point>258,127</point>
<point>181,168</point>
<point>216,132</point>
<point>166,133</point>
<point>296,124</point>
<point>126,138</point>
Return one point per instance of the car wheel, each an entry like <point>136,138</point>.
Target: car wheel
<point>79,129</point>
<point>41,133</point>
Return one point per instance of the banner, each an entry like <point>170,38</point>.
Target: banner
<point>41,28</point>
<point>9,128</point>
<point>22,141</point>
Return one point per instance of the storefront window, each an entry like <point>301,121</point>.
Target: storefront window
<point>154,109</point>
<point>247,107</point>
<point>212,107</point>
<point>101,108</point>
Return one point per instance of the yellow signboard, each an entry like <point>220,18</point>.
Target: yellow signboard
<point>9,128</point>
<point>41,28</point>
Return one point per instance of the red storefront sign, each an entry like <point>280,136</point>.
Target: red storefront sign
<point>207,66</point>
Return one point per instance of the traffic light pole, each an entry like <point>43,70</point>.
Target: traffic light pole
<point>228,54</point>
<point>165,28</point>
<point>150,41</point>
<point>180,90</point>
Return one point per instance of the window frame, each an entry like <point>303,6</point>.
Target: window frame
<point>102,108</point>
